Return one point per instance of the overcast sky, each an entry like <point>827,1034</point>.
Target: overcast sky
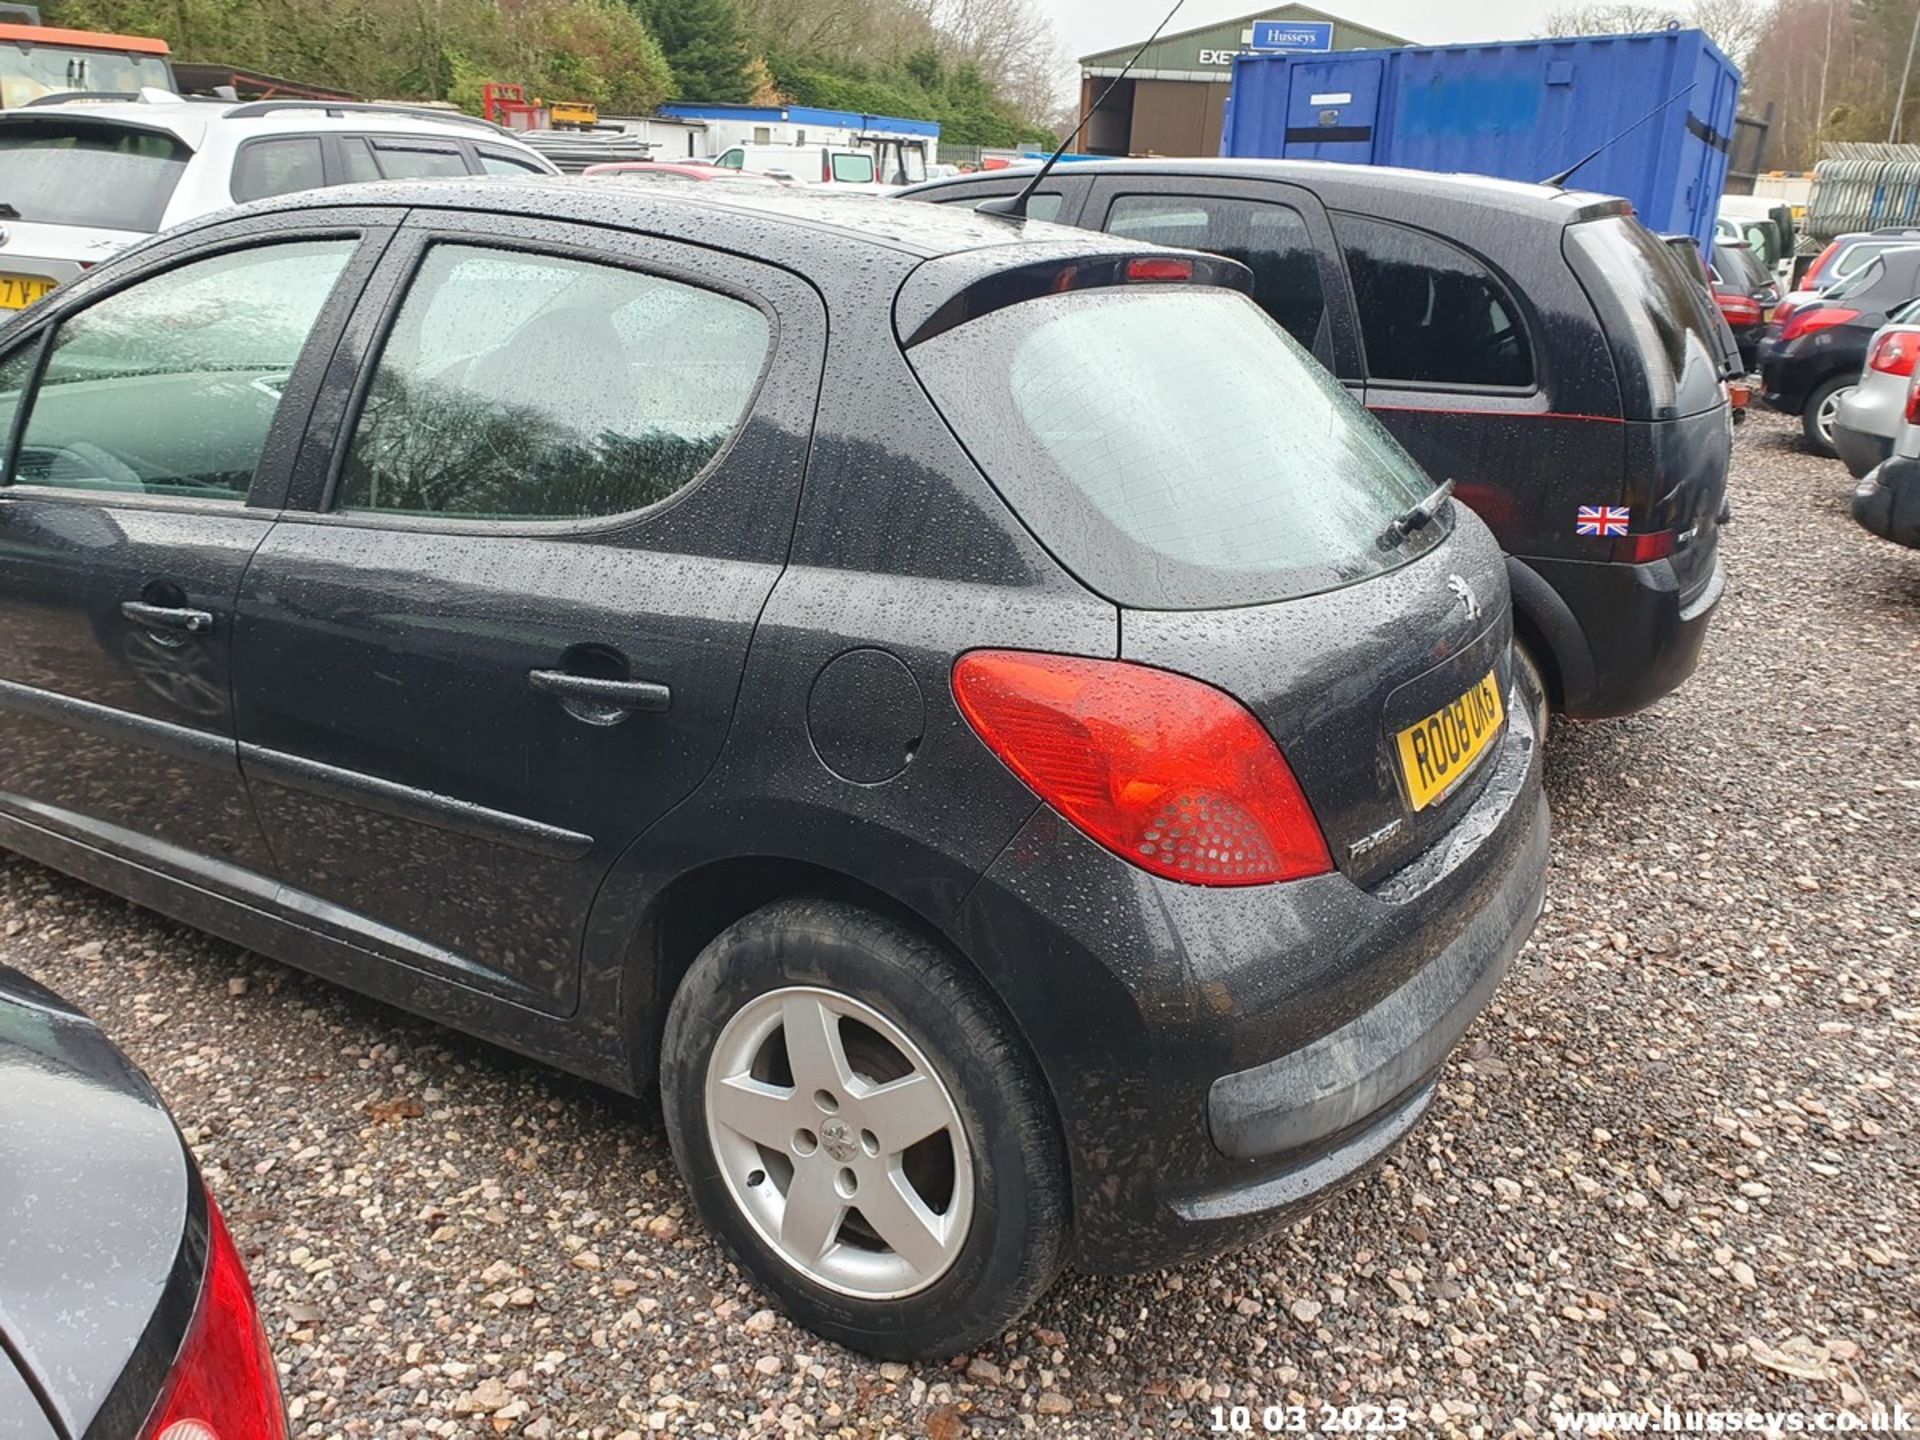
<point>1090,25</point>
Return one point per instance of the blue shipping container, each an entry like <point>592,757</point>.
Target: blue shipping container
<point>1521,110</point>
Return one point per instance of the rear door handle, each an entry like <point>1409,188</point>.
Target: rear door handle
<point>167,617</point>
<point>642,696</point>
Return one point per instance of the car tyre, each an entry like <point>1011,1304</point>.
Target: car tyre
<point>1822,408</point>
<point>806,1049</point>
<point>1531,682</point>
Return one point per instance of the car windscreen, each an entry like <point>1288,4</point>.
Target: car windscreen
<point>28,72</point>
<point>101,176</point>
<point>1174,448</point>
<point>1737,266</point>
<point>1669,359</point>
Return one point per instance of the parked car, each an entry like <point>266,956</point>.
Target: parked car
<point>1887,500</point>
<point>1745,296</point>
<point>841,168</point>
<point>1024,764</point>
<point>125,1309</point>
<point>1707,312</point>
<point>695,170</point>
<point>1867,417</point>
<point>1503,333</point>
<point>1809,362</point>
<point>1844,256</point>
<point>84,179</point>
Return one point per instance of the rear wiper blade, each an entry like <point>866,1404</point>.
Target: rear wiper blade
<point>1417,516</point>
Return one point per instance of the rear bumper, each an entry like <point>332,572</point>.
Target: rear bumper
<point>1226,1059</point>
<point>1369,1066</point>
<point>1641,636</point>
<point>1858,450</point>
<point>1887,502</point>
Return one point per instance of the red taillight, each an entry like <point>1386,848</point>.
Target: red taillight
<point>1805,322</point>
<point>1148,270</point>
<point>1819,264</point>
<point>1894,354</point>
<point>1167,772</point>
<point>223,1385</point>
<point>1644,548</point>
<point>1738,309</point>
<point>1913,402</point>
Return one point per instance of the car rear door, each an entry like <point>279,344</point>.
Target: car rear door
<point>153,425</point>
<point>1278,231</point>
<point>551,482</point>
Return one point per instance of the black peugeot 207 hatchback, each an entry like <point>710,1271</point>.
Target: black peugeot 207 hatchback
<point>1539,347</point>
<point>973,714</point>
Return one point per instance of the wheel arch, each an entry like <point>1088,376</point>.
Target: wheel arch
<point>1544,623</point>
<point>695,907</point>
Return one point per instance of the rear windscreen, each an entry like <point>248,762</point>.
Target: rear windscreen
<point>1666,354</point>
<point>1174,448</point>
<point>94,175</point>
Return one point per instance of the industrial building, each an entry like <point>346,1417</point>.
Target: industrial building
<point>1173,101</point>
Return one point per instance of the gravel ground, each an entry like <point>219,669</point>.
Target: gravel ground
<point>1673,1164</point>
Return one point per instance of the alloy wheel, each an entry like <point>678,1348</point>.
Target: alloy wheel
<point>839,1142</point>
<point>1829,412</point>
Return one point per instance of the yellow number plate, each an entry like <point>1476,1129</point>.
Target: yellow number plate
<point>17,292</point>
<point>1441,748</point>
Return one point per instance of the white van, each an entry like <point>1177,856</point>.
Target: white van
<point>844,168</point>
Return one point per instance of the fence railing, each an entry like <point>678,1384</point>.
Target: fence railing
<point>1863,185</point>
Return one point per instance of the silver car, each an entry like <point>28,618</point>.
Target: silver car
<point>1867,416</point>
<point>82,179</point>
<point>1887,500</point>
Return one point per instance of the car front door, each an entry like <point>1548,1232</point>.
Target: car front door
<point>501,629</point>
<point>151,427</point>
<point>1278,231</point>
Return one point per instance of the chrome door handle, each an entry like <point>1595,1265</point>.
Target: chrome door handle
<point>167,617</point>
<point>643,696</point>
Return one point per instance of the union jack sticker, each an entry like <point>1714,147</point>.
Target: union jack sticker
<point>1602,520</point>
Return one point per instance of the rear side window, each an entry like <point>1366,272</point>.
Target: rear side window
<point>1429,312</point>
<point>100,176</point>
<point>498,162</point>
<point>356,159</point>
<point>853,169</point>
<point>418,162</point>
<point>530,387</point>
<point>1174,448</point>
<point>1270,240</point>
<point>277,167</point>
<point>1867,277</point>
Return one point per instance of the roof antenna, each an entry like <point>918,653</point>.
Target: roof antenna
<point>1567,174</point>
<point>1016,206</point>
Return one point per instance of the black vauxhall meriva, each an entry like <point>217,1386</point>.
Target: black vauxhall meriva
<point>1021,760</point>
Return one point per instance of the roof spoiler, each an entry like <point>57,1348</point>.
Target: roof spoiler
<point>952,289</point>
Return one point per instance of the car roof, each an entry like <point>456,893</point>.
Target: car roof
<point>1341,184</point>
<point>190,120</point>
<point>733,212</point>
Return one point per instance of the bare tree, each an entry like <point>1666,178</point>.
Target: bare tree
<point>1735,25</point>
